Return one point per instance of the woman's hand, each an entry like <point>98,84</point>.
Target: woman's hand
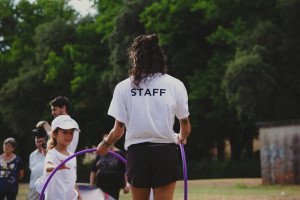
<point>79,197</point>
<point>101,149</point>
<point>179,140</point>
<point>115,134</point>
<point>126,190</point>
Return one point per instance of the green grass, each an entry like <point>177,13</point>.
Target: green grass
<point>220,189</point>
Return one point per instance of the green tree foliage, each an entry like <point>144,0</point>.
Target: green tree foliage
<point>238,59</point>
<point>89,88</point>
<point>23,94</point>
<point>261,81</point>
<point>127,26</point>
<point>182,35</point>
<point>8,24</point>
<point>52,36</point>
<point>105,20</point>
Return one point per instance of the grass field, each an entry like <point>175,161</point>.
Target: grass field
<point>220,189</point>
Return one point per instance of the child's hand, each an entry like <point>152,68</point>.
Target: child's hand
<point>63,166</point>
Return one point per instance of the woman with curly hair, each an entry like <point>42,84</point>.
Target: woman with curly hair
<point>146,104</point>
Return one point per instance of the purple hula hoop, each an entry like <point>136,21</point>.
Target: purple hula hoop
<point>184,170</point>
<point>122,159</point>
<point>69,158</point>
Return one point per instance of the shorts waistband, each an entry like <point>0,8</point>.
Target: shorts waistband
<point>152,144</point>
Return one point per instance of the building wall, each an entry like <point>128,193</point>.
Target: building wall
<point>280,154</point>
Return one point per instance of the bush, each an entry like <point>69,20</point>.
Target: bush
<point>83,171</point>
<point>223,169</point>
<point>240,185</point>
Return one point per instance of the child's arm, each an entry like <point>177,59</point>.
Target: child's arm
<point>50,166</point>
<point>79,196</point>
<point>92,178</point>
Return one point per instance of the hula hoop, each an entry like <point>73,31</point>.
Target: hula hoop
<point>184,170</point>
<point>122,159</point>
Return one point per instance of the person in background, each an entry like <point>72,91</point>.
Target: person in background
<point>109,173</point>
<point>11,171</point>
<point>37,161</point>
<point>146,104</point>
<point>60,106</point>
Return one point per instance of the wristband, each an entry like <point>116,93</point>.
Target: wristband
<point>105,144</point>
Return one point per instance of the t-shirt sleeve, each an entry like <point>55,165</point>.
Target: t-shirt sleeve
<point>117,108</point>
<point>182,108</point>
<point>49,157</point>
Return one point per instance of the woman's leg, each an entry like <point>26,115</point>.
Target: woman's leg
<point>2,196</point>
<point>11,196</point>
<point>164,192</point>
<point>140,193</point>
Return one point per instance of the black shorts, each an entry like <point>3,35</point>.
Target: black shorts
<point>152,164</point>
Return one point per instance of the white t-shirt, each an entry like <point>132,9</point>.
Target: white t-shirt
<point>62,183</point>
<point>73,145</point>
<point>149,111</point>
<point>36,166</point>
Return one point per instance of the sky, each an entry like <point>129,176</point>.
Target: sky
<point>82,6</point>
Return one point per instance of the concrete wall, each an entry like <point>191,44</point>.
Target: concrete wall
<point>280,154</point>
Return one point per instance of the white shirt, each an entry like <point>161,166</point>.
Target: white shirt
<point>36,166</point>
<point>149,111</point>
<point>62,183</point>
<point>73,145</point>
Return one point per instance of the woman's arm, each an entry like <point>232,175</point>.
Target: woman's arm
<point>115,134</point>
<point>92,178</point>
<point>21,174</point>
<point>126,187</point>
<point>185,129</point>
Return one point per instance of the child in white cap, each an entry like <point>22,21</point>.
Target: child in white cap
<point>63,185</point>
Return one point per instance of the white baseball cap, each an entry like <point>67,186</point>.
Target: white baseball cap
<point>64,122</point>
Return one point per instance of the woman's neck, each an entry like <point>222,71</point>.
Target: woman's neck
<point>8,156</point>
<point>62,149</point>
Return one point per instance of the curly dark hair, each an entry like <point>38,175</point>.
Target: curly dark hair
<point>146,57</point>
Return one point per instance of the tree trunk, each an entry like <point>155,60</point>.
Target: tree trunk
<point>236,147</point>
<point>221,149</point>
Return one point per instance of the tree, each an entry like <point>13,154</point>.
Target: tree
<point>23,93</point>
<point>261,80</point>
